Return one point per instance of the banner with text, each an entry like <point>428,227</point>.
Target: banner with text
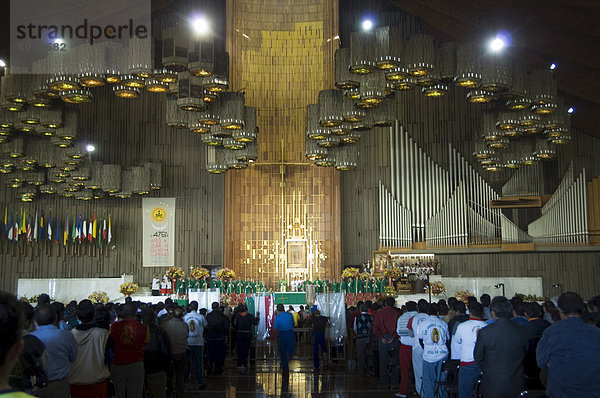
<point>159,232</point>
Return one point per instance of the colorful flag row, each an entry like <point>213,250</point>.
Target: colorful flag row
<point>40,228</point>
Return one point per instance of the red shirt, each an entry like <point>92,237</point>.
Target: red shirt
<point>130,336</point>
<point>385,322</point>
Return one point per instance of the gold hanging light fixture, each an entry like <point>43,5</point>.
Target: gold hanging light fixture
<point>344,79</point>
<point>362,52</point>
<point>420,55</point>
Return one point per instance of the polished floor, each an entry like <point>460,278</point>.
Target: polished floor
<point>264,379</point>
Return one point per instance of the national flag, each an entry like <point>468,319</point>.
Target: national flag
<point>29,228</point>
<point>23,226</point>
<point>109,238</point>
<point>104,229</point>
<point>16,236</point>
<point>84,228</point>
<point>66,231</point>
<point>35,227</point>
<point>99,234</point>
<point>5,220</point>
<point>79,221</point>
<point>94,229</point>
<point>57,233</point>
<point>50,226</point>
<point>265,304</point>
<point>42,225</point>
<point>74,230</point>
<point>90,234</point>
<point>10,229</point>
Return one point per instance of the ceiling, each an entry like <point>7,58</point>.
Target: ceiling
<point>543,31</point>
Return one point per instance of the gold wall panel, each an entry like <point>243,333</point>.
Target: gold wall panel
<point>281,56</point>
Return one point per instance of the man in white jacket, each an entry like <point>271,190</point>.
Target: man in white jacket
<point>464,342</point>
<point>89,373</point>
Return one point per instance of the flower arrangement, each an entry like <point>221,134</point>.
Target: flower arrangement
<point>226,274</point>
<point>437,288</point>
<point>531,297</point>
<point>462,295</point>
<point>395,273</point>
<point>390,290</point>
<point>128,288</point>
<point>199,272</point>
<point>175,273</point>
<point>350,273</point>
<point>100,297</point>
<point>364,276</point>
<point>283,282</point>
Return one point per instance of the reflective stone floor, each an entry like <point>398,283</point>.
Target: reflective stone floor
<point>265,380</point>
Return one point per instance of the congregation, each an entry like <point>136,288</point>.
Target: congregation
<point>482,348</point>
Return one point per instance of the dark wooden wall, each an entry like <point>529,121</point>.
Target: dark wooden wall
<point>124,131</point>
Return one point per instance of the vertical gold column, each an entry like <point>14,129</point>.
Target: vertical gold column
<point>281,56</point>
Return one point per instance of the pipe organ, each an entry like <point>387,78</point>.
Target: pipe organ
<point>564,217</point>
<point>524,182</point>
<point>443,208</point>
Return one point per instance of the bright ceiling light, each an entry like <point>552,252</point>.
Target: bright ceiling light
<point>497,44</point>
<point>367,24</point>
<point>201,25</point>
<point>2,63</point>
<point>58,40</point>
<point>571,110</point>
<point>90,148</point>
<point>552,66</point>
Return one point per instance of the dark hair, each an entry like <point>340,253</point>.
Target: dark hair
<point>280,307</point>
<point>86,311</point>
<point>11,323</point>
<point>501,307</point>
<point>518,307</point>
<point>390,301</point>
<point>178,313</point>
<point>476,309</point>
<point>434,309</point>
<point>28,311</point>
<point>45,314</point>
<point>452,303</point>
<point>460,307</point>
<point>471,299</point>
<point>129,310</point>
<point>411,306</point>
<point>214,305</point>
<point>423,306</point>
<point>128,300</point>
<point>43,299</point>
<point>533,310</point>
<point>594,304</point>
<point>102,317</point>
<point>60,310</point>
<point>364,308</point>
<point>148,316</point>
<point>194,305</point>
<point>570,303</point>
<point>485,299</point>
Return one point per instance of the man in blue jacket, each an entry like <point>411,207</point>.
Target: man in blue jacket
<point>284,324</point>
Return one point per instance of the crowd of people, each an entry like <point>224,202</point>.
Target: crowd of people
<point>490,348</point>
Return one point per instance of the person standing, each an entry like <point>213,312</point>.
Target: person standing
<point>61,348</point>
<point>178,331</point>
<point>433,335</point>
<point>155,286</point>
<point>464,341</point>
<point>319,324</point>
<point>363,325</point>
<point>95,347</point>
<point>417,350</point>
<point>127,369</point>
<point>499,353</point>
<point>384,328</point>
<point>406,342</point>
<point>284,324</point>
<point>196,324</point>
<point>569,350</point>
<point>243,323</point>
<point>217,328</point>
<point>157,356</point>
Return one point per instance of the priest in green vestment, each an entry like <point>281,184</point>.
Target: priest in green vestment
<point>344,286</point>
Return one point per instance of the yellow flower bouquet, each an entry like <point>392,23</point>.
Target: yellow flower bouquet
<point>129,288</point>
<point>175,273</point>
<point>437,288</point>
<point>463,295</point>
<point>226,274</point>
<point>100,297</point>
<point>350,273</point>
<point>395,273</point>
<point>199,272</point>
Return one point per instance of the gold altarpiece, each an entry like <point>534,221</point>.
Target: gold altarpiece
<point>282,214</point>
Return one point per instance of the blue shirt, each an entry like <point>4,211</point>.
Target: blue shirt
<point>284,322</point>
<point>570,350</point>
<point>61,348</point>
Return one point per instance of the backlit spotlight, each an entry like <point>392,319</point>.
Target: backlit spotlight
<point>552,66</point>
<point>58,40</point>
<point>571,110</point>
<point>201,25</point>
<point>2,63</point>
<point>90,148</point>
<point>367,25</point>
<point>497,44</point>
